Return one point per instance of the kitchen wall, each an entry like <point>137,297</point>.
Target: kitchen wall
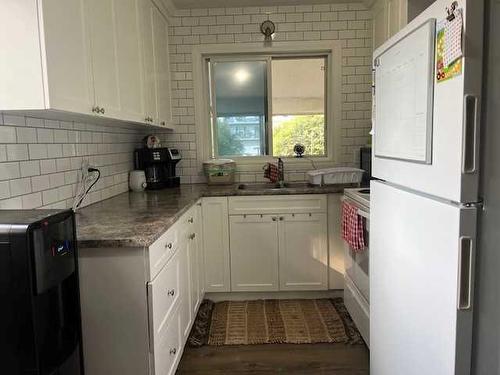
<point>349,23</point>
<point>40,161</point>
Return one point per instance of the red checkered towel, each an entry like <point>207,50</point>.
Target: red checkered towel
<point>353,227</point>
<point>271,172</point>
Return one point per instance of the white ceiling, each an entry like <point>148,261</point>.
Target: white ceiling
<point>183,4</point>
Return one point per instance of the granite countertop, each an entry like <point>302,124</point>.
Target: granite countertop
<point>138,219</point>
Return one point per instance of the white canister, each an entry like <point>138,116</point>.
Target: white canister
<point>137,181</point>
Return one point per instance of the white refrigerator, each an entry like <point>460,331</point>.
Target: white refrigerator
<point>424,208</point>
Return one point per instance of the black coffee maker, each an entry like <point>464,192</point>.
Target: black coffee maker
<point>159,166</point>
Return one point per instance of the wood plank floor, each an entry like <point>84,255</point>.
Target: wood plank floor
<point>335,359</point>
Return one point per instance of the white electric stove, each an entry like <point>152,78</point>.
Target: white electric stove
<point>357,281</point>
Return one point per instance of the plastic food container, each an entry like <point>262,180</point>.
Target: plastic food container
<point>333,176</point>
<point>219,171</point>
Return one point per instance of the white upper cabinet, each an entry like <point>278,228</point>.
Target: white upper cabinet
<point>162,70</point>
<point>149,75</point>
<point>106,58</point>
<point>46,62</point>
<point>102,20</point>
<point>67,56</point>
<point>116,58</point>
<point>389,16</point>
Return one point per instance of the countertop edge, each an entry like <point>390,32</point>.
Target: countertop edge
<point>144,242</point>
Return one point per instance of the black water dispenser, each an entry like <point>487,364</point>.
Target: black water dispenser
<point>40,306</point>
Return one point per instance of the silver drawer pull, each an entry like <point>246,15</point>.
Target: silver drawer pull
<point>192,236</point>
<point>173,351</point>
<point>171,292</point>
<point>191,220</point>
<point>169,245</point>
<point>273,218</point>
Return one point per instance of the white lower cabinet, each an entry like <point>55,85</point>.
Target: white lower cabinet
<point>138,305</point>
<point>216,244</point>
<point>303,252</point>
<point>254,252</point>
<point>279,251</point>
<point>167,351</point>
<point>186,318</point>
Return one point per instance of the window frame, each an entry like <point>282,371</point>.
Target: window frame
<point>332,49</point>
<point>268,116</point>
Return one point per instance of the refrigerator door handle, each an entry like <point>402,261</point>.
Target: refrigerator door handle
<point>471,136</point>
<point>465,273</point>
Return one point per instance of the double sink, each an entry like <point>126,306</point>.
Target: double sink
<point>274,187</point>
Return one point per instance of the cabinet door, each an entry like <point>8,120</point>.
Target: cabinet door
<point>397,15</point>
<point>216,244</point>
<point>186,315</point>
<point>254,252</point>
<point>194,274</point>
<point>128,49</point>
<point>67,56</point>
<point>336,267</point>
<point>104,55</point>
<point>380,23</point>
<point>167,349</point>
<point>303,252</point>
<point>162,69</point>
<point>200,246</point>
<point>149,85</point>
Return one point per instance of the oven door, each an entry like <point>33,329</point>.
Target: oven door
<point>357,263</point>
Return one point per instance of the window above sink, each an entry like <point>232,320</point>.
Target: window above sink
<point>252,102</point>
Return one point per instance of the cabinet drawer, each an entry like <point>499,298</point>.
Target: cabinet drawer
<point>311,203</point>
<point>167,347</point>
<point>163,295</point>
<point>162,250</point>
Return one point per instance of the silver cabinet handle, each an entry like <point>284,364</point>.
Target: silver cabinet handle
<point>171,292</point>
<point>173,351</point>
<point>192,236</point>
<point>102,111</point>
<point>273,218</point>
<point>169,245</point>
<point>163,123</point>
<point>282,218</point>
<point>191,220</point>
<point>96,109</point>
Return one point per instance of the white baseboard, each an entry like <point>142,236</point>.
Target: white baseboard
<point>243,296</point>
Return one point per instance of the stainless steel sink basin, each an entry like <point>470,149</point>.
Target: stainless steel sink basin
<point>272,186</point>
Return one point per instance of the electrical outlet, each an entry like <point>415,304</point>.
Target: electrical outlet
<point>85,169</point>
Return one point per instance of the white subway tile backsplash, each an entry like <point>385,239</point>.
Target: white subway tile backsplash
<point>40,160</point>
<point>26,135</point>
<point>350,23</point>
<point>37,151</point>
<point>20,186</point>
<point>31,201</point>
<point>29,168</point>
<point>4,189</point>
<point>45,135</point>
<point>7,134</point>
<point>16,152</point>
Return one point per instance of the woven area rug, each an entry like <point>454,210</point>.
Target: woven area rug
<point>290,321</point>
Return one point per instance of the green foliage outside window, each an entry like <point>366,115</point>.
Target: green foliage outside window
<point>308,130</point>
<point>228,143</point>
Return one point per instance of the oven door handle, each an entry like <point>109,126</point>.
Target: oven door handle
<point>361,212</point>
<point>364,214</point>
